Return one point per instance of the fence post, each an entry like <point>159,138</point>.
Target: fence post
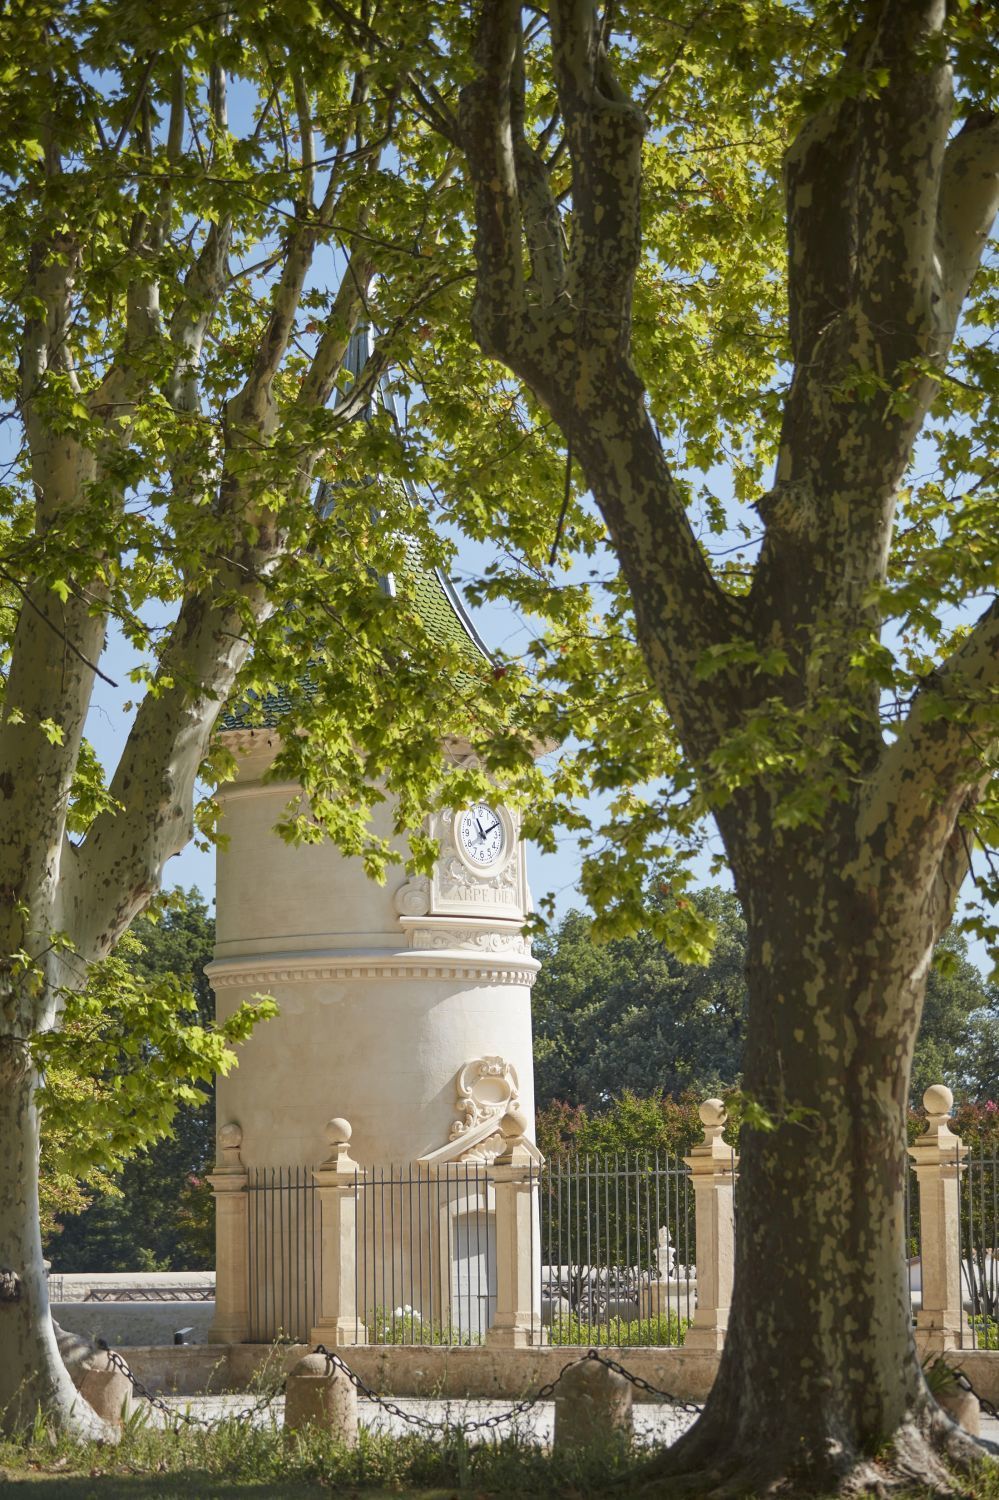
<point>337,1182</point>
<point>939,1158</point>
<point>712,1166</point>
<point>231,1324</point>
<point>517,1323</point>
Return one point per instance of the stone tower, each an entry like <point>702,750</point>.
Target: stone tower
<point>404,1008</point>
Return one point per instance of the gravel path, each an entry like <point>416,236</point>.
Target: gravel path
<point>653,1423</point>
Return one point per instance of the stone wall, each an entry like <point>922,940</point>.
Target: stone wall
<point>434,1370</point>
<point>124,1325</point>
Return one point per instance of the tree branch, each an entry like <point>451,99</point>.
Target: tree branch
<point>487,136</point>
<point>317,387</point>
<point>942,754</point>
<point>604,130</point>
<point>571,345</point>
<point>120,862</point>
<point>903,135</point>
<point>969,202</point>
<point>821,225</point>
<point>542,225</point>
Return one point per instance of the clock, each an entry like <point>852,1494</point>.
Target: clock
<point>481,835</point>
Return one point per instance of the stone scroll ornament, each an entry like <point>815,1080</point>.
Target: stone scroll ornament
<point>487,1088</point>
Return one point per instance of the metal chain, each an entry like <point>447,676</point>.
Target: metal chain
<point>179,1419</point>
<point>545,1393</point>
<point>694,1407</point>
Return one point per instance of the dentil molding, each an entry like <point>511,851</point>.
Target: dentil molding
<point>261,970</point>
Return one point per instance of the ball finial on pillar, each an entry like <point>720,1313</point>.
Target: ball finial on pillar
<point>338,1131</point>
<point>938,1099</point>
<point>713,1116</point>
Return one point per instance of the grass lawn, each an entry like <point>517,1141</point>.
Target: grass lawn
<point>188,1486</point>
<point>236,1462</point>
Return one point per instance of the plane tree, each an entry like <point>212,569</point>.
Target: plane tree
<point>757,238</point>
<point>192,217</point>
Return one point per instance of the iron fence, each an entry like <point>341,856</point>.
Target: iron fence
<point>612,1252</point>
<point>913,1261</point>
<point>979,1250</point>
<point>618,1241</point>
<point>425,1255</point>
<point>283,1253</point>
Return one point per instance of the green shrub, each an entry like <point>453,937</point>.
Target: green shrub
<point>985,1331</point>
<point>406,1326</point>
<point>666,1331</point>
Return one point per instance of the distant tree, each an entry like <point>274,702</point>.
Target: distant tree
<point>959,1029</point>
<point>153,1214</point>
<point>625,1124</point>
<point>627,1016</point>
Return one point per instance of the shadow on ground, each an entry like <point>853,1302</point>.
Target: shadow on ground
<point>187,1486</point>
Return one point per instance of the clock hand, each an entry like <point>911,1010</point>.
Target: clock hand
<point>497,824</point>
<point>479,827</point>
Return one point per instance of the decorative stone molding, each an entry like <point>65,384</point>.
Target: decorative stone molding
<point>413,898</point>
<point>235,791</point>
<point>247,739</point>
<point>487,940</point>
<point>487,1088</point>
<point>258,973</point>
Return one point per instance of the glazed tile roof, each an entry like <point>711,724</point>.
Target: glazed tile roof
<point>438,602</point>
<point>442,612</point>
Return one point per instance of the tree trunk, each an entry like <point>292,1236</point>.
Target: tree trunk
<point>820,1309</point>
<point>32,1374</point>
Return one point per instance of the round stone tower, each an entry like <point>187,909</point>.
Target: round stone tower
<point>404,1010</point>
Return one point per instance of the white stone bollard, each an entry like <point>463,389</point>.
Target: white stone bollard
<point>592,1406</point>
<point>104,1387</point>
<point>320,1395</point>
<point>964,1407</point>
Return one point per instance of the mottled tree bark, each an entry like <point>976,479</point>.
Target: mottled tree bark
<point>887,215</point>
<point>32,1375</point>
<point>64,903</point>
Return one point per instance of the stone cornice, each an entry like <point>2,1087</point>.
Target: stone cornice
<point>232,791</point>
<point>257,971</point>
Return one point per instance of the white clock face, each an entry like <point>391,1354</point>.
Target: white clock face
<point>481,835</point>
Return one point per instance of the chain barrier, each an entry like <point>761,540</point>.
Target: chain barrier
<point>178,1419</point>
<point>545,1393</point>
<point>694,1407</point>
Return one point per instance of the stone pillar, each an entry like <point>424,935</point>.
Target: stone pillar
<point>517,1323</point>
<point>231,1324</point>
<point>939,1156</point>
<point>338,1179</point>
<point>712,1172</point>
